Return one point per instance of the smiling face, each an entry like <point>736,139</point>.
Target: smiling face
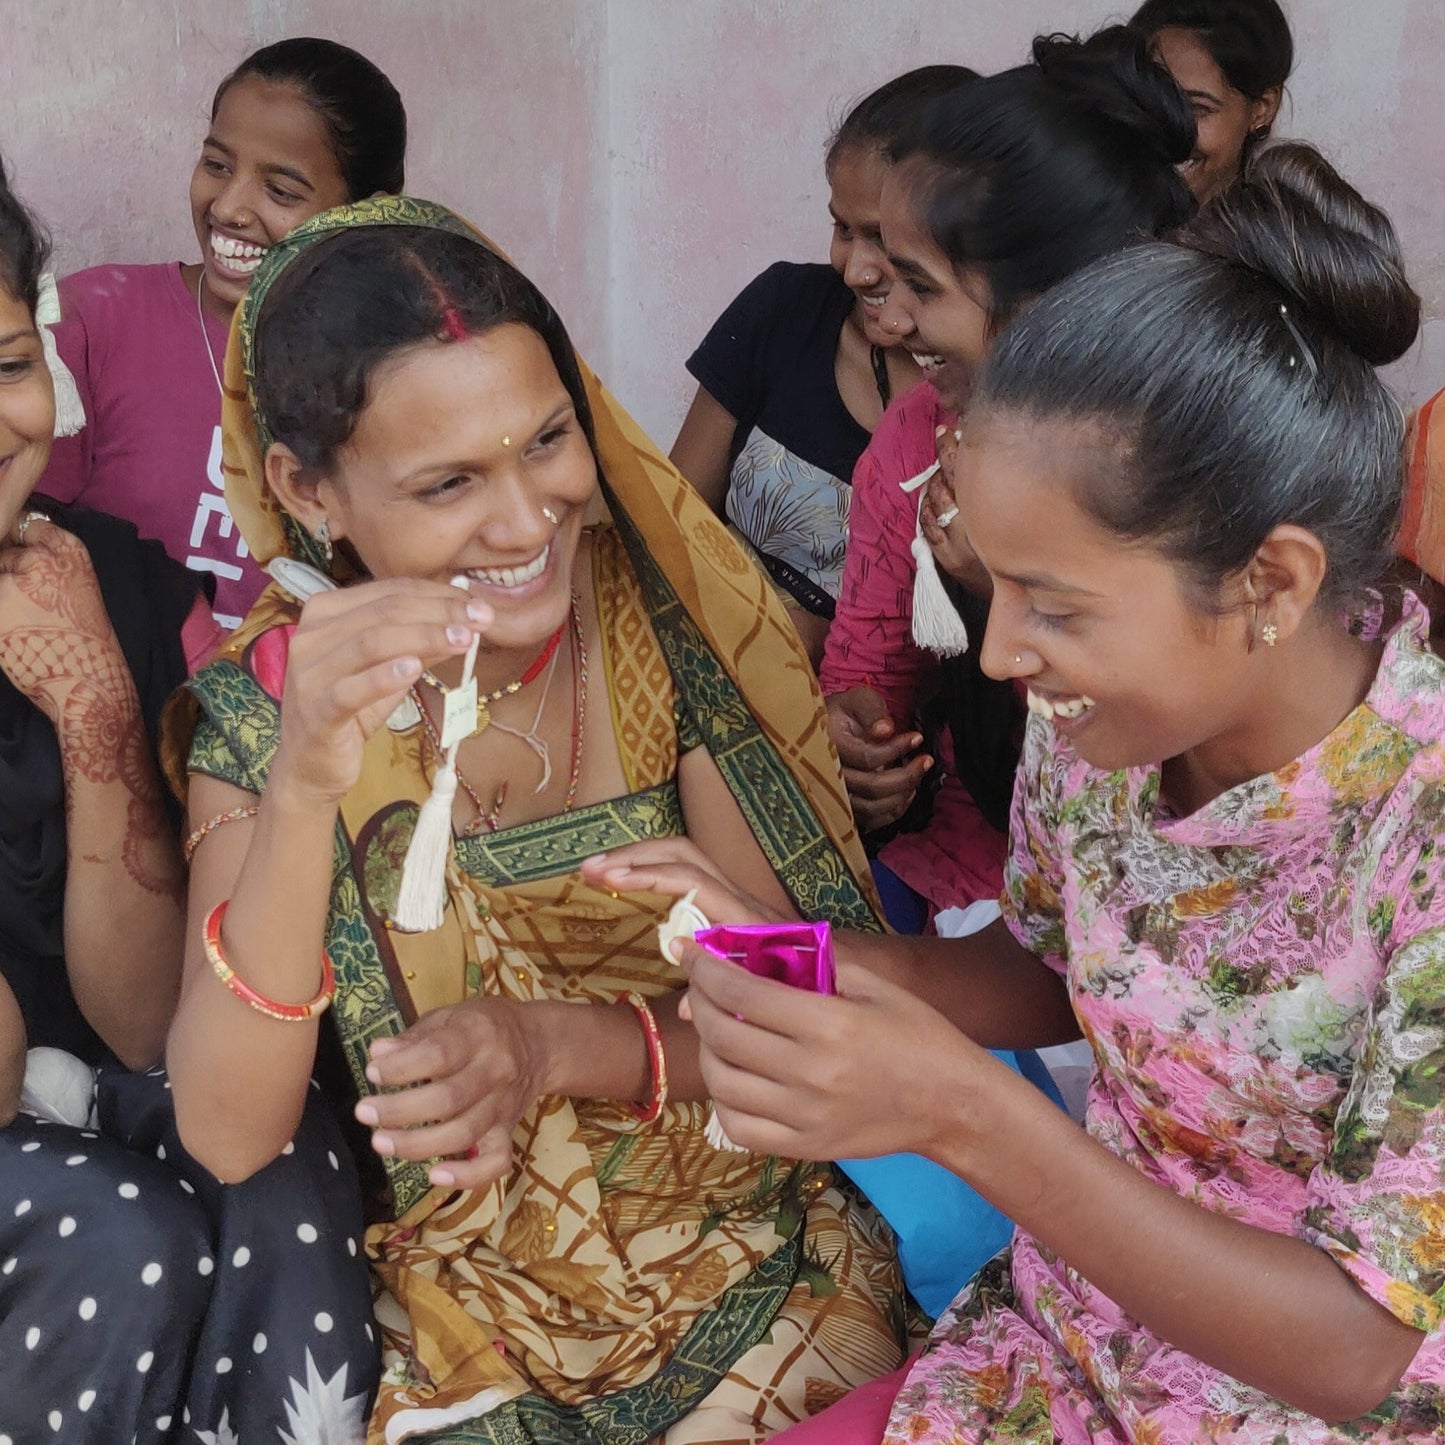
<point>938,313</point>
<point>27,408</point>
<point>461,451</point>
<point>1105,632</point>
<point>1223,116</point>
<point>855,182</point>
<point>266,166</point>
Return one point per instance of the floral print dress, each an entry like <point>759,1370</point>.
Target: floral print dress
<point>1263,986</point>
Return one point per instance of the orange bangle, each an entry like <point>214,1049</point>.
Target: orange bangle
<point>656,1057</point>
<point>291,1013</point>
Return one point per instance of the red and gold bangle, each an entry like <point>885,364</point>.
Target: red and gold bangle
<point>656,1057</point>
<point>291,1013</point>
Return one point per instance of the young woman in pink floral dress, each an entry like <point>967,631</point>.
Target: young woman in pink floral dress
<point>1183,476</point>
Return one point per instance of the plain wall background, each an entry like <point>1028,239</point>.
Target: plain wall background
<point>641,159</point>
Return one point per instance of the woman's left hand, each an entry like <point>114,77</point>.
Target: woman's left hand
<point>808,1076</point>
<point>938,517</point>
<point>465,1075</point>
<point>54,630</point>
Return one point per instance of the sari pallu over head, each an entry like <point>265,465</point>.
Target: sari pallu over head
<point>604,1287</point>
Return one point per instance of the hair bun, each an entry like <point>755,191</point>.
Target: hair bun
<point>1112,75</point>
<point>1294,219</point>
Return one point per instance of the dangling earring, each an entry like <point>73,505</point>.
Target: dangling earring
<point>322,537</point>
<point>1269,634</point>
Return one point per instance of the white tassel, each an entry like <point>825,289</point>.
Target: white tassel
<point>686,920</point>
<point>717,1136</point>
<point>421,900</point>
<point>936,623</point>
<point>69,411</point>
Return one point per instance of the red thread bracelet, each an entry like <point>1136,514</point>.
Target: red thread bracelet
<point>291,1013</point>
<point>656,1058</point>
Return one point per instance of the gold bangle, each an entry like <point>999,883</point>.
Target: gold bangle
<point>195,839</point>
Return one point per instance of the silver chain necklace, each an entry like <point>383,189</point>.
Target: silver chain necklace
<point>206,335</point>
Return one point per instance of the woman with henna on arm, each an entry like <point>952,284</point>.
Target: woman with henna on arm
<point>117,1319</point>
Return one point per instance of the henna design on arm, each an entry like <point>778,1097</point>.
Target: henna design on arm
<point>78,676</point>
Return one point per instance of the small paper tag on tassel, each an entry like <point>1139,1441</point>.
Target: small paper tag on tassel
<point>459,714</point>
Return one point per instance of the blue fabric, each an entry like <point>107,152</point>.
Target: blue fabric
<point>946,1232</point>
<point>905,910</point>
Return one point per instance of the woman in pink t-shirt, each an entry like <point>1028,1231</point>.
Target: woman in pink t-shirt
<point>296,128</point>
<point>1005,187</point>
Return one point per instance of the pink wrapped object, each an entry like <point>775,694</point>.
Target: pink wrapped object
<point>800,954</point>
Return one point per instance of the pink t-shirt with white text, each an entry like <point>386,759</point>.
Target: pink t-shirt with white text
<point>150,450</point>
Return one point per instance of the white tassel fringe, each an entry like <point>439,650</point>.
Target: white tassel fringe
<point>421,900</point>
<point>69,411</point>
<point>936,623</point>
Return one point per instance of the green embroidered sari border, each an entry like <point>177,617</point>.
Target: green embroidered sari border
<point>810,866</point>
<point>634,1416</point>
<point>530,852</point>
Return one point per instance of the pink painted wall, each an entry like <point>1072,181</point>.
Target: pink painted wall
<point>721,112</point>
<point>642,159</point>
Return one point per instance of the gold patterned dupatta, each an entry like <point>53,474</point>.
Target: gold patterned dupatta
<point>614,1278</point>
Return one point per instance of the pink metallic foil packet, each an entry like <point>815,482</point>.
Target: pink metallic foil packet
<point>800,954</point>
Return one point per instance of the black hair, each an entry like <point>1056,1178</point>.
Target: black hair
<point>359,297</point>
<point>24,247</point>
<point>1230,378</point>
<point>1249,40</point>
<point>882,116</point>
<point>363,114</point>
<point>1025,176</point>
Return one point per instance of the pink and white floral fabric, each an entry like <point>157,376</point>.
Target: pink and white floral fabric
<point>1263,986</point>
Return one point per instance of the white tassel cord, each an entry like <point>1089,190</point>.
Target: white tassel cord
<point>686,920</point>
<point>421,901</point>
<point>69,411</point>
<point>936,623</point>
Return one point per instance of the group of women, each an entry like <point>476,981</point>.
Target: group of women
<point>281,1161</point>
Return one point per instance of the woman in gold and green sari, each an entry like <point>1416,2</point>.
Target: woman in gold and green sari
<point>560,1254</point>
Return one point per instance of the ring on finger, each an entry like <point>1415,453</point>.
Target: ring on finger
<point>25,522</point>
<point>944,518</point>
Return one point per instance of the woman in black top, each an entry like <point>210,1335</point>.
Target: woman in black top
<point>795,374</point>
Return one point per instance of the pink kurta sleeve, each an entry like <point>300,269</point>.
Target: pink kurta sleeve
<point>870,642</point>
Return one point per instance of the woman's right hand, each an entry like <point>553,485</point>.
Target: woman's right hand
<point>351,659</point>
<point>882,767</point>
